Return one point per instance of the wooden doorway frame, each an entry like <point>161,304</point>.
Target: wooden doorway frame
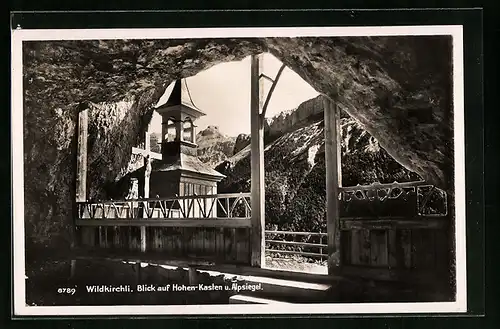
<point>332,163</point>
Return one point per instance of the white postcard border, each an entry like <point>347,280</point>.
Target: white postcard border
<point>20,307</point>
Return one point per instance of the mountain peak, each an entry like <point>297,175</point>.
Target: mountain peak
<point>210,130</point>
<point>213,146</point>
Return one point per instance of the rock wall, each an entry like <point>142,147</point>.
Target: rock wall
<point>289,120</point>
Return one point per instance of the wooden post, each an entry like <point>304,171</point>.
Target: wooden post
<point>338,145</point>
<point>81,162</point>
<point>179,129</point>
<point>147,173</point>
<point>193,133</point>
<point>333,182</point>
<point>81,174</point>
<point>148,156</point>
<point>257,166</point>
<point>137,270</point>
<point>192,275</point>
<point>72,273</point>
<point>147,147</point>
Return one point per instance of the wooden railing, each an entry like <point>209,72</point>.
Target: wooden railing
<point>216,210</point>
<point>411,205</point>
<point>394,200</point>
<point>375,208</point>
<point>302,248</point>
<point>388,229</point>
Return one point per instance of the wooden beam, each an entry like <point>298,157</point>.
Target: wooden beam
<point>137,270</point>
<point>333,181</point>
<point>147,162</point>
<point>81,174</point>
<point>273,86</point>
<point>257,164</point>
<point>229,223</point>
<point>262,75</point>
<point>146,219</point>
<point>192,275</point>
<point>388,224</point>
<point>294,252</point>
<point>72,269</point>
<point>81,162</point>
<point>293,243</point>
<point>297,233</point>
<point>179,128</point>
<point>147,157</point>
<point>338,133</point>
<point>147,174</point>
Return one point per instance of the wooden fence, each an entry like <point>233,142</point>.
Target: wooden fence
<point>389,231</point>
<point>386,231</point>
<point>201,226</point>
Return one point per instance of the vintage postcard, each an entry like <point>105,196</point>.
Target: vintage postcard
<point>238,171</point>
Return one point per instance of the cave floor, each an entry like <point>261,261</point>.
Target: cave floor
<point>44,276</point>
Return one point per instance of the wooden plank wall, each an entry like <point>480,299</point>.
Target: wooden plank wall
<point>229,245</point>
<point>420,250</point>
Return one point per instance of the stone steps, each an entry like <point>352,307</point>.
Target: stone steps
<point>285,290</point>
<point>295,288</point>
<point>244,299</point>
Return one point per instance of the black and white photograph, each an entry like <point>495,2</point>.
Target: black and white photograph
<point>238,171</point>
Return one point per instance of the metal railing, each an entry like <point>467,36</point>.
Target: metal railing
<point>302,248</point>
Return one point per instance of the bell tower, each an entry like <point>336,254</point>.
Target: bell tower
<point>178,116</point>
<point>180,172</point>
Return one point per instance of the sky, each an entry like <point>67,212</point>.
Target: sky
<point>223,93</point>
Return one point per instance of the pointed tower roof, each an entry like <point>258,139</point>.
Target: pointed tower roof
<point>181,95</point>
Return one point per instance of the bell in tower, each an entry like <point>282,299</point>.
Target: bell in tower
<point>180,172</point>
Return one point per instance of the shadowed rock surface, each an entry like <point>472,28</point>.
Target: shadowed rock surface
<point>397,88</point>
